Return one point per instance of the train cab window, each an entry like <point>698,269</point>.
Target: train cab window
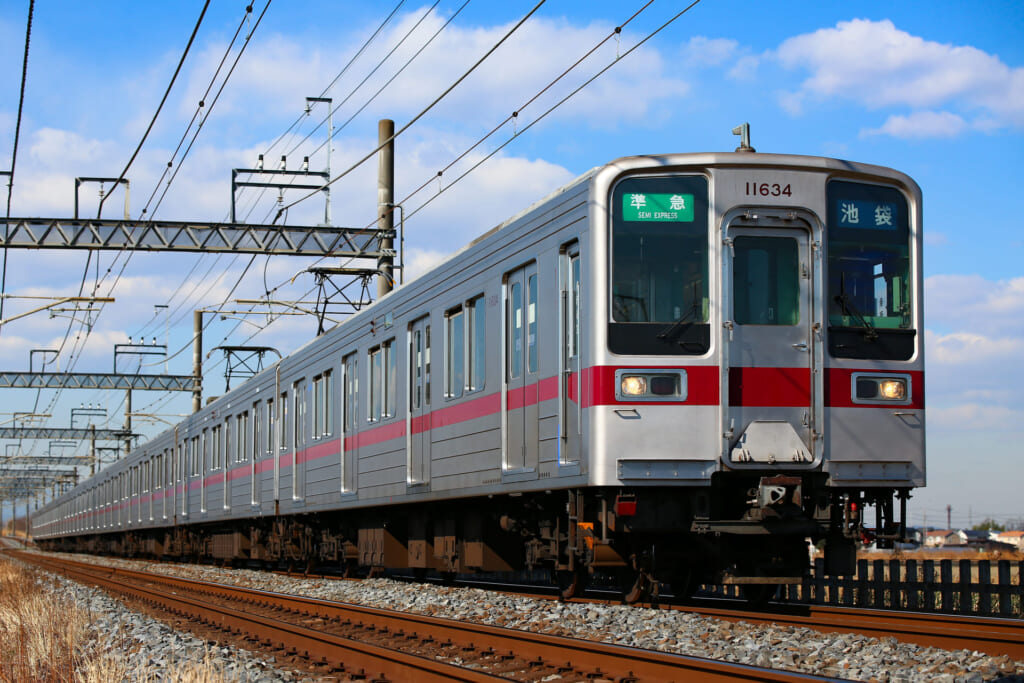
<point>766,287</point>
<point>870,312</point>
<point>659,295</point>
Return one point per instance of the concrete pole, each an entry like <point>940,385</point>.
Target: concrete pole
<point>92,450</point>
<point>197,360</point>
<point>385,206</point>
<point>128,422</point>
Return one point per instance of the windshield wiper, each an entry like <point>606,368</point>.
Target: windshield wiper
<point>847,308</point>
<point>681,320</point>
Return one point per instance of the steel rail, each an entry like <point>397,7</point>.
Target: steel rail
<point>592,659</point>
<point>991,635</point>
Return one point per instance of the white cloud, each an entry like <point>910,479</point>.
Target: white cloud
<point>875,64</point>
<point>963,348</point>
<point>972,302</point>
<point>922,124</point>
<point>704,51</point>
<point>973,416</point>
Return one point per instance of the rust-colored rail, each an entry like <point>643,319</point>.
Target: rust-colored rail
<point>993,636</point>
<point>498,653</point>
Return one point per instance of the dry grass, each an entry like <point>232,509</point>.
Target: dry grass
<point>46,637</point>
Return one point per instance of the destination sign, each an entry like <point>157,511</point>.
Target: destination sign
<point>651,206</point>
<point>866,215</point>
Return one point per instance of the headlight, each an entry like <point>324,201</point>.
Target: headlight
<point>633,385</point>
<point>660,385</point>
<point>893,389</point>
<point>874,389</point>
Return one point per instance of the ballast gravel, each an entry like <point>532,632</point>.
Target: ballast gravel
<point>147,648</point>
<point>839,655</point>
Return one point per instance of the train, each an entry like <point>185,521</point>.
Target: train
<point>677,369</point>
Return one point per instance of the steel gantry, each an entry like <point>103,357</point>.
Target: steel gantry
<point>187,236</point>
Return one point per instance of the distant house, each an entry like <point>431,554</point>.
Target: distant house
<point>1014,538</point>
<point>942,538</point>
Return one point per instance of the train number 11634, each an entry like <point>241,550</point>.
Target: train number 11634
<point>756,189</point>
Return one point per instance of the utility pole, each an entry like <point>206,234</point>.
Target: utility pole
<point>386,206</point>
<point>128,422</point>
<point>197,360</point>
<point>949,516</point>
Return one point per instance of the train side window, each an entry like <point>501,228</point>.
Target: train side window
<point>351,391</point>
<point>256,427</point>
<point>298,413</point>
<point>531,324</point>
<point>241,434</point>
<point>282,431</point>
<point>382,381</point>
<point>455,356</point>
<point>270,426</point>
<point>516,302</point>
<point>477,342</point>
<point>227,443</point>
<point>574,305</point>
<point>322,405</point>
<point>215,449</point>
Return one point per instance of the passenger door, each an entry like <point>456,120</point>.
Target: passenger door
<point>571,406</point>
<point>772,343</point>
<point>418,426</point>
<point>521,365</point>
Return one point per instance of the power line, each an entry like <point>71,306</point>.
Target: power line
<point>14,154</point>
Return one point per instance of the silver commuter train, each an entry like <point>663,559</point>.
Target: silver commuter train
<point>676,369</point>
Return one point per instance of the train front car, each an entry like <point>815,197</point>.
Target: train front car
<point>758,376</point>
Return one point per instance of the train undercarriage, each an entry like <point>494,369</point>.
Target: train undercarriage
<point>749,530</point>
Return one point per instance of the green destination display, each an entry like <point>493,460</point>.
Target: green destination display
<point>652,206</point>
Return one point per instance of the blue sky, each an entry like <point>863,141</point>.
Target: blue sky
<point>934,89</point>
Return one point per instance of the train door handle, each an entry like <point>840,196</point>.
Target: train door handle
<point>802,346</point>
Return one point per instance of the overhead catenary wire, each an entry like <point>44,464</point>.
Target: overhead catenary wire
<point>124,265</point>
<point>159,108</point>
<point>614,33</point>
<point>418,116</point>
<point>341,73</point>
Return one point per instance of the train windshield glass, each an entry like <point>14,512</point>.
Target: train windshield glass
<point>659,266</point>
<point>869,299</point>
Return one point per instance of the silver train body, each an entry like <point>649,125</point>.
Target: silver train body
<point>676,368</point>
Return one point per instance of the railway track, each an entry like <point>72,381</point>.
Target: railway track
<point>383,645</point>
<point>991,635</point>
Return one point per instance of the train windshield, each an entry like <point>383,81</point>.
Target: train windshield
<point>869,300</point>
<point>659,266</point>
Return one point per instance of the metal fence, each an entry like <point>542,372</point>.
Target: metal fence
<point>977,587</point>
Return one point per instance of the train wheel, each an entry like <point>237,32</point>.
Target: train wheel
<point>571,583</point>
<point>757,595</point>
<point>644,587</point>
<point>685,583</point>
